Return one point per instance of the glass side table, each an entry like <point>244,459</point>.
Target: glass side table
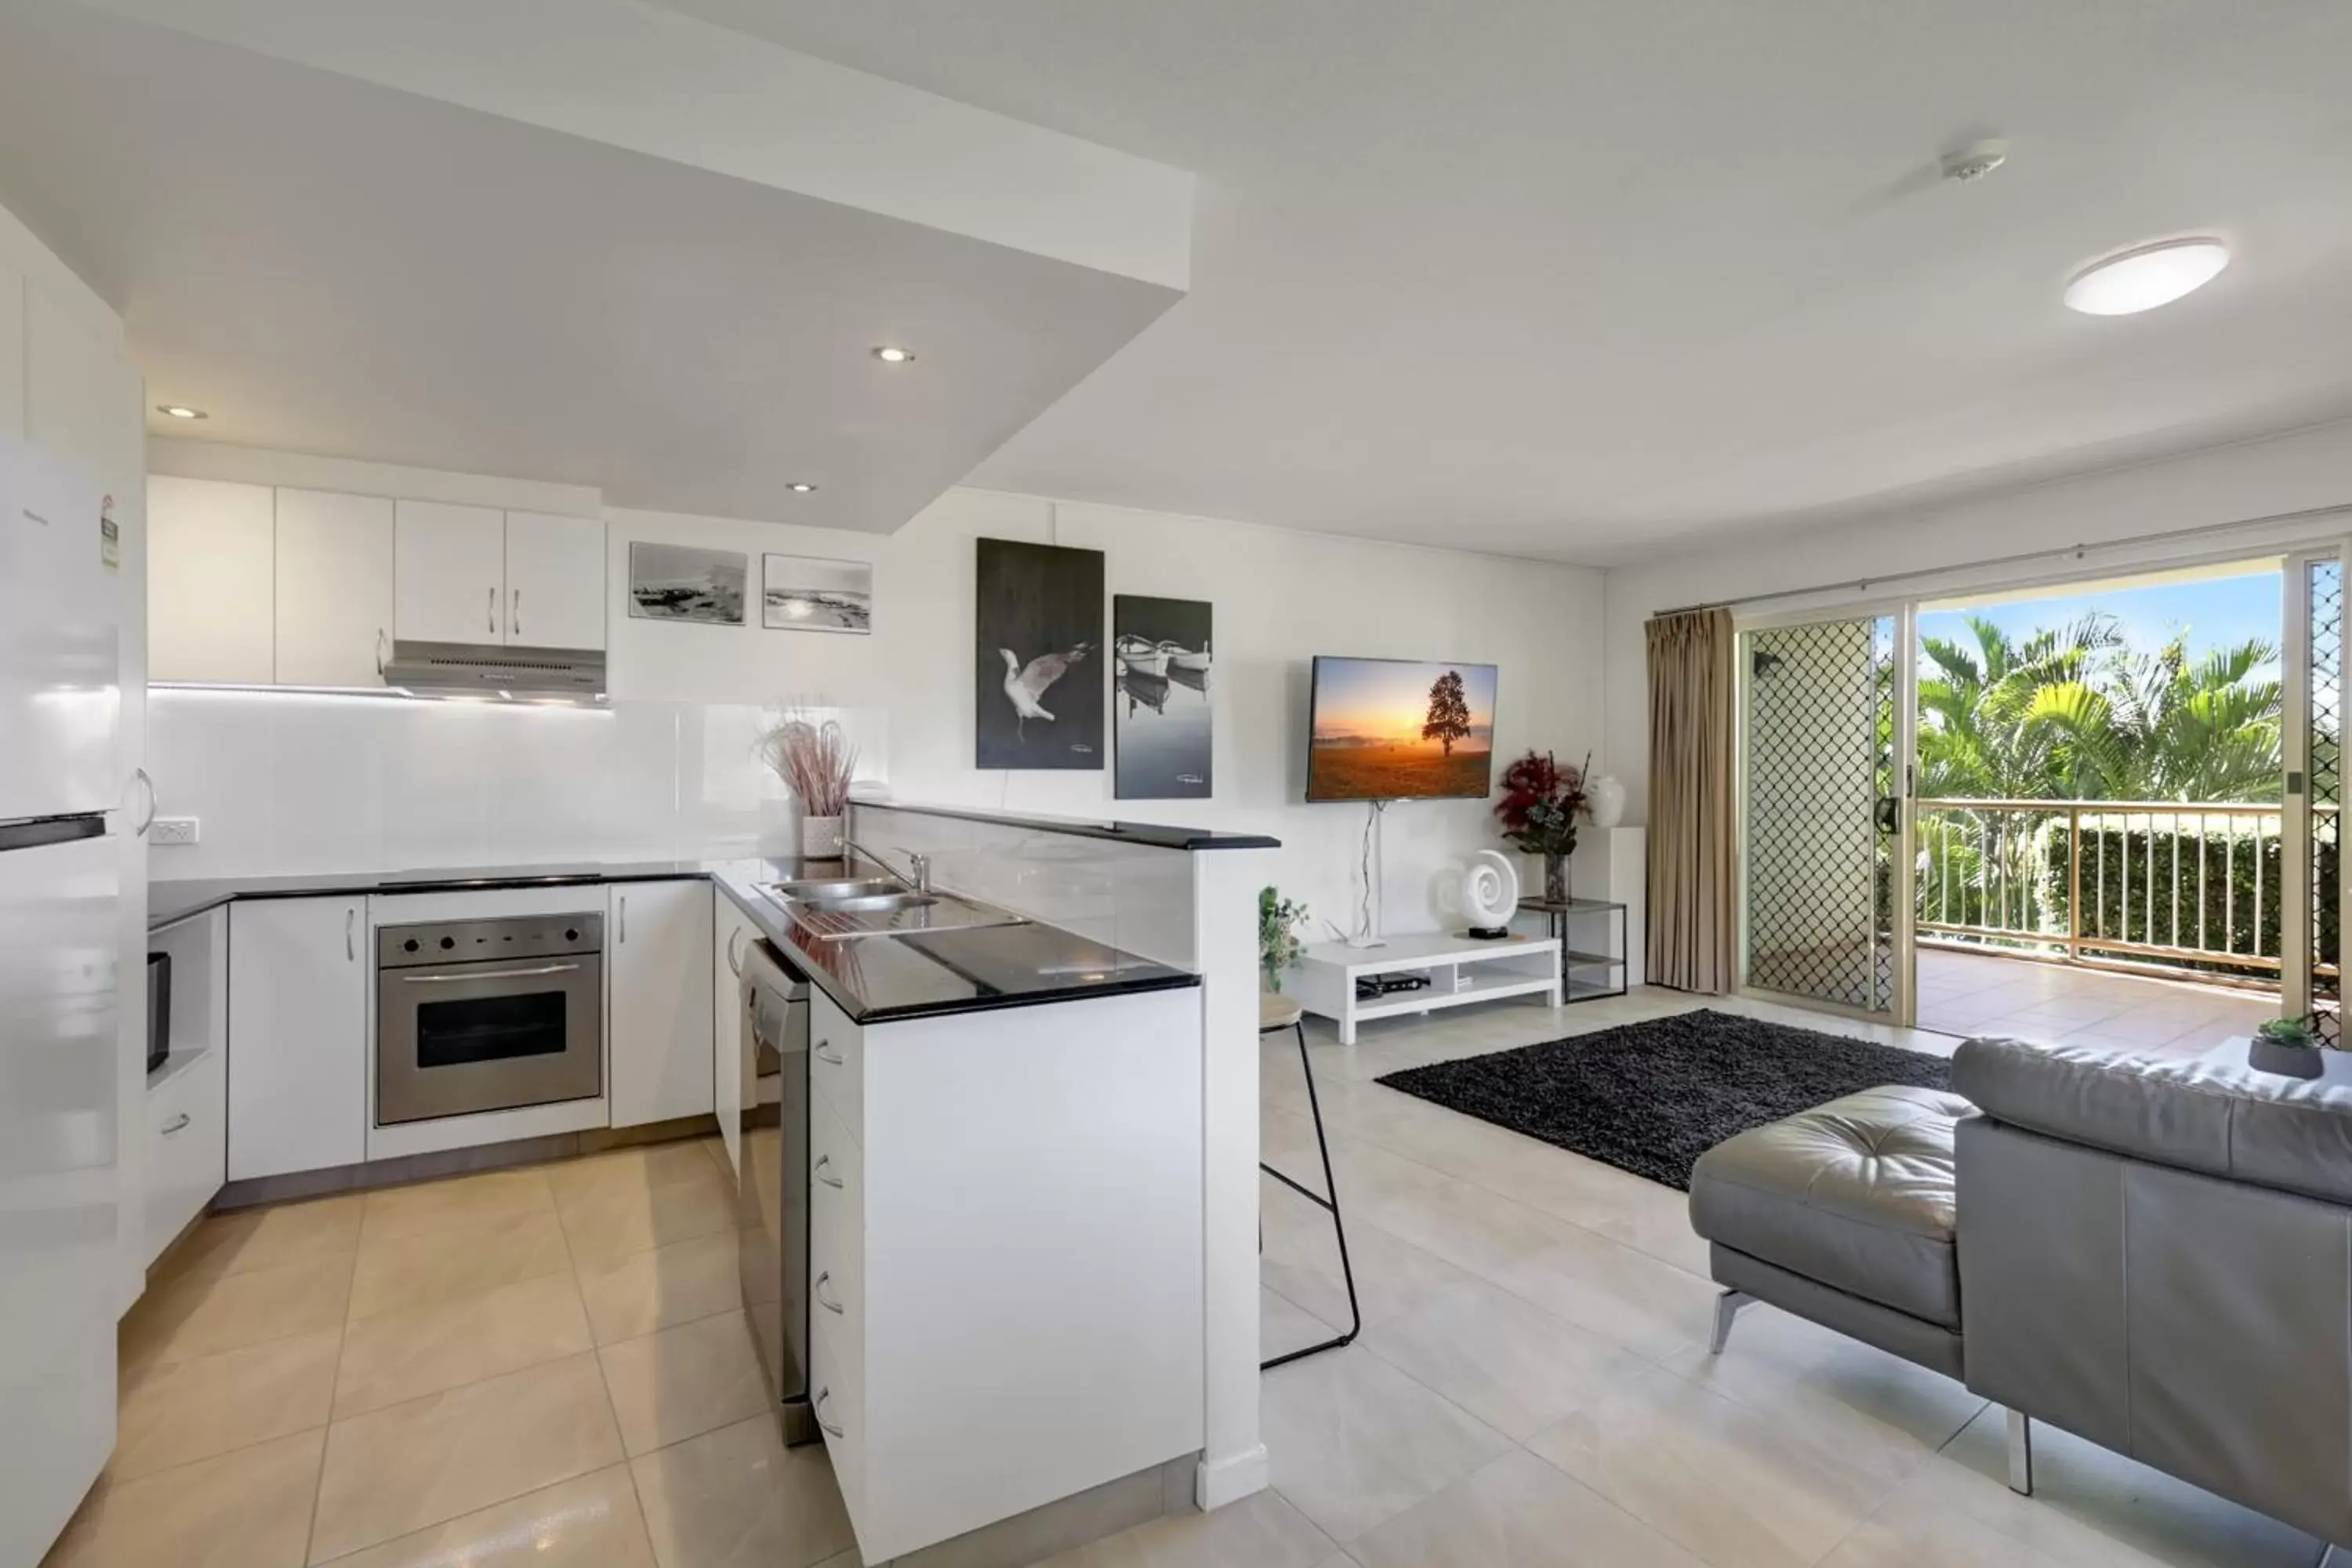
<point>1592,937</point>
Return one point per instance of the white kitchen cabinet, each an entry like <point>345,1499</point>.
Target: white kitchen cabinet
<point>448,572</point>
<point>297,1034</point>
<point>187,1145</point>
<point>555,581</point>
<point>657,963</point>
<point>210,573</point>
<point>334,588</point>
<point>1004,1257</point>
<point>731,932</point>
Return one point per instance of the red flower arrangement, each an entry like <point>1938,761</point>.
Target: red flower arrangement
<point>1541,802</point>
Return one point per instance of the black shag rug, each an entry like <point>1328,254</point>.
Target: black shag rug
<point>1650,1098</point>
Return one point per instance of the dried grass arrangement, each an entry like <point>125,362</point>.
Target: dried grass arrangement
<point>815,757</point>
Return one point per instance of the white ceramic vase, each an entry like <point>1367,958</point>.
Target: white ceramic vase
<point>1608,801</point>
<point>821,838</point>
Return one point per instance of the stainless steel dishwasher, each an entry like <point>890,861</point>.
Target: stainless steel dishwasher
<point>771,1185</point>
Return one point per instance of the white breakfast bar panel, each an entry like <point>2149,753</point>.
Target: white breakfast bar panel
<point>1460,971</point>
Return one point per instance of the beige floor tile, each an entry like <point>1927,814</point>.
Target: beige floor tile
<point>1873,1409</point>
<point>1650,1307</point>
<point>616,1224</point>
<point>1909,1532</point>
<point>246,1509</point>
<point>643,1291</point>
<point>1737,1489</point>
<point>1300,1259</point>
<point>419,1268</point>
<point>396,1470</point>
<point>737,1497</point>
<point>459,1200</point>
<point>1518,1512</point>
<point>1283,1325</point>
<point>199,1313</point>
<point>245,1240</point>
<point>1506,1361</point>
<point>638,1168</point>
<point>209,1404</point>
<point>683,1381</point>
<point>405,1354</point>
<point>2092,1509</point>
<point>1262,1530</point>
<point>593,1522</point>
<point>1352,1441</point>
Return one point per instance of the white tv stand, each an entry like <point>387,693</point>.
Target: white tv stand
<point>1460,972</point>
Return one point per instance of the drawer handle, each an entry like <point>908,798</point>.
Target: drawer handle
<point>825,1056</point>
<point>735,951</point>
<point>816,1408</point>
<point>817,1290</point>
<point>823,1162</point>
<point>179,1122</point>
<point>490,617</point>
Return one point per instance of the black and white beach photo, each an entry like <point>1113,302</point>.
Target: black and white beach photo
<point>813,594</point>
<point>681,583</point>
<point>1038,670</point>
<point>1160,718</point>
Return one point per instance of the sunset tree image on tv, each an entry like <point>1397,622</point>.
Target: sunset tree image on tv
<point>1386,729</point>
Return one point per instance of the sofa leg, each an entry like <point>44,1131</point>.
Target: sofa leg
<point>1726,1308</point>
<point>2020,1453</point>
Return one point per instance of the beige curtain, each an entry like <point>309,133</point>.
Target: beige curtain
<point>1691,920</point>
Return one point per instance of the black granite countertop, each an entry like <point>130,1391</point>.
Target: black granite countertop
<point>874,979</point>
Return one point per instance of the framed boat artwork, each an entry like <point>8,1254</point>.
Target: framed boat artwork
<point>1161,718</point>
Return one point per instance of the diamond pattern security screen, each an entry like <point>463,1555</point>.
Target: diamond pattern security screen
<point>2326,792</point>
<point>1819,742</point>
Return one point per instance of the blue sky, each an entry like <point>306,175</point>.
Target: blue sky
<point>2215,612</point>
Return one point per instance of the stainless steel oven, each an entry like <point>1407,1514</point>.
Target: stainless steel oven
<point>493,1015</point>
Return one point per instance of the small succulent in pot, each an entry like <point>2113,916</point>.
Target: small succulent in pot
<point>2293,1033</point>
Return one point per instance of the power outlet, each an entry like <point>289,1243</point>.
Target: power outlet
<point>173,830</point>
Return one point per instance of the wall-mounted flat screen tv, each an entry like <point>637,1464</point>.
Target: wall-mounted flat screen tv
<point>1396,728</point>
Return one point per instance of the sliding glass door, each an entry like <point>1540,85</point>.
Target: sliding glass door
<point>1825,741</point>
<point>2313,890</point>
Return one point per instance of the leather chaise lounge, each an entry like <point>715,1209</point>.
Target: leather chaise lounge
<point>2153,1255</point>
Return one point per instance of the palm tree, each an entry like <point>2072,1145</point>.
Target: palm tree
<point>1979,731</point>
<point>2158,727</point>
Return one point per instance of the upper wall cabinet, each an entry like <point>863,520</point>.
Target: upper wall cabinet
<point>211,581</point>
<point>467,573</point>
<point>449,580</point>
<point>334,588</point>
<point>555,581</point>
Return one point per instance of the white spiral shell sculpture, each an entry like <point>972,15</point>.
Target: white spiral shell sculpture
<point>1490,889</point>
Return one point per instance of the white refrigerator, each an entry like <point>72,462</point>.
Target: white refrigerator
<point>59,1038</point>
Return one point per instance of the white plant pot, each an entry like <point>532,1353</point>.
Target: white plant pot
<point>821,838</point>
<point>1607,801</point>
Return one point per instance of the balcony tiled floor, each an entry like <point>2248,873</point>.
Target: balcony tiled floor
<point>1980,993</point>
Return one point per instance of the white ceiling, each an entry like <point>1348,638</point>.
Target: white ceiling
<point>333,267</point>
<point>1596,280</point>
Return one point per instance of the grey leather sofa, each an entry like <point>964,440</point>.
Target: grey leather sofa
<point>2154,1256</point>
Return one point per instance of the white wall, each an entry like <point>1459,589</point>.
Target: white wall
<point>292,783</point>
<point>2304,471</point>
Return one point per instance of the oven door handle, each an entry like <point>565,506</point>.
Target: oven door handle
<point>488,975</point>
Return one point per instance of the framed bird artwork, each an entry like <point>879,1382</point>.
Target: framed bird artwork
<point>1038,661</point>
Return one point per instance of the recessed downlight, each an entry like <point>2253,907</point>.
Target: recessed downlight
<point>180,411</point>
<point>891,353</point>
<point>2148,275</point>
<point>801,486</point>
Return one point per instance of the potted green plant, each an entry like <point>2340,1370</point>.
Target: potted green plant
<point>1279,947</point>
<point>2289,1047</point>
<point>1541,802</point>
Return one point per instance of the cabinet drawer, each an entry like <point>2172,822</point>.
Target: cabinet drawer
<point>187,1148</point>
<point>837,1394</point>
<point>837,1063</point>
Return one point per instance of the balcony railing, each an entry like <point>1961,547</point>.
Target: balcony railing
<point>2181,888</point>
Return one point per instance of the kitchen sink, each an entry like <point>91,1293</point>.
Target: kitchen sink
<point>840,909</point>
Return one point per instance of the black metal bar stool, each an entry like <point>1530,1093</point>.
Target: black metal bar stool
<point>1275,1014</point>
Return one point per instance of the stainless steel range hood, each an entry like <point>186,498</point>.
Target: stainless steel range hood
<point>494,669</point>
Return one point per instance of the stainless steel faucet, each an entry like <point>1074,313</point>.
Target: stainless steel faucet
<point>922,864</point>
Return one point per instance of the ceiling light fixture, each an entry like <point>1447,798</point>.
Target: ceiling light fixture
<point>889,353</point>
<point>799,487</point>
<point>2146,276</point>
<point>180,411</point>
